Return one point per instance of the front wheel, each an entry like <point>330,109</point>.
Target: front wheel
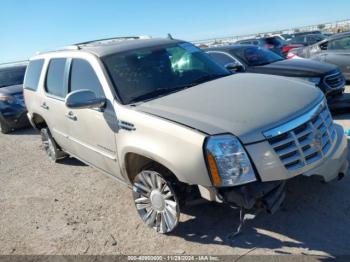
<point>156,201</point>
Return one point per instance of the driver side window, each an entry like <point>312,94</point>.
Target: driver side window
<point>340,44</point>
<point>83,76</point>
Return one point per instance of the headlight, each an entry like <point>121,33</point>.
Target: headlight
<point>314,80</point>
<point>7,98</point>
<point>228,162</point>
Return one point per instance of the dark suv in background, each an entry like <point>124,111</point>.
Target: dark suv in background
<point>253,59</point>
<point>12,107</point>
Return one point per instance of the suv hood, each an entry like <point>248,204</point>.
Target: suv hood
<point>295,68</point>
<point>242,104</point>
<point>11,90</point>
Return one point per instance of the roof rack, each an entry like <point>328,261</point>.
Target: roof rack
<point>111,39</point>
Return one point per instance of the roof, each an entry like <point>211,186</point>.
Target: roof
<point>340,35</point>
<point>109,46</point>
<point>13,65</point>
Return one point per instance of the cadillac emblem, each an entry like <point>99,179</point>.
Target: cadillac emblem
<point>317,140</point>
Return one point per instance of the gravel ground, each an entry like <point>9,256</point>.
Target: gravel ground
<point>70,208</point>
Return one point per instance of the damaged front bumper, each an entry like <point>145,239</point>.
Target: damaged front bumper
<point>269,193</point>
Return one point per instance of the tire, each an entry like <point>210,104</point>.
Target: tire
<point>5,128</point>
<point>50,146</point>
<point>156,200</point>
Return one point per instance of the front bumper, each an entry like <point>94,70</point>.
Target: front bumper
<point>270,191</point>
<point>14,117</point>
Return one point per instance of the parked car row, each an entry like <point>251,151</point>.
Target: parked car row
<point>334,50</point>
<point>177,123</point>
<point>273,43</point>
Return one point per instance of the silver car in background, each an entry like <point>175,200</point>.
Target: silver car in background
<point>162,117</point>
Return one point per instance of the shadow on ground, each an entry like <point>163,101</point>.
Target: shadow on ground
<point>24,131</point>
<point>312,218</point>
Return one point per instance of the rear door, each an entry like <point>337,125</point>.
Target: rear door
<point>92,131</point>
<point>52,105</point>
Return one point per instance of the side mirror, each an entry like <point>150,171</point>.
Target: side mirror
<point>84,99</point>
<point>324,46</point>
<point>235,67</point>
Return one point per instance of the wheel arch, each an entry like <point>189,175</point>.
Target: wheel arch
<point>135,161</point>
<point>37,121</point>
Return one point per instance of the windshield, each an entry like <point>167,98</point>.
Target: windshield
<point>11,76</point>
<point>256,56</point>
<point>148,73</point>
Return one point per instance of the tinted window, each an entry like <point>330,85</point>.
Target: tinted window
<point>33,74</point>
<point>11,76</point>
<point>83,76</point>
<point>55,84</point>
<point>340,44</point>
<point>274,41</point>
<point>156,71</point>
<point>298,40</point>
<point>255,56</point>
<point>221,58</point>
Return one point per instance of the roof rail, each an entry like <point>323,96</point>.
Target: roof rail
<point>111,39</point>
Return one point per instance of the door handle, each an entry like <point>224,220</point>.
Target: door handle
<point>44,106</point>
<point>71,116</point>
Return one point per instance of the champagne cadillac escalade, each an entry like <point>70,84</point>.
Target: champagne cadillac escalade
<point>162,117</point>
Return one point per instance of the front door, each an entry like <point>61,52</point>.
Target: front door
<point>92,131</point>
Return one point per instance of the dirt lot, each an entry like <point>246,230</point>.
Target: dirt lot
<point>69,208</point>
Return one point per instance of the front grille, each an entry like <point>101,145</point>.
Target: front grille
<point>307,142</point>
<point>334,81</point>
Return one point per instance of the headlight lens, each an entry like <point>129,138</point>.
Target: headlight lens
<point>314,80</point>
<point>7,98</point>
<point>228,162</point>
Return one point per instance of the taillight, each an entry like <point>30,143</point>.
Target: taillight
<point>286,48</point>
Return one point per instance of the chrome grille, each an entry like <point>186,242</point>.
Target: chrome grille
<point>308,140</point>
<point>334,80</point>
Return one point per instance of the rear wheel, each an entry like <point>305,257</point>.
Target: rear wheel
<point>50,146</point>
<point>5,128</point>
<point>156,201</point>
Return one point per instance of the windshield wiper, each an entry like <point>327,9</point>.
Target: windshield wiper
<point>165,91</point>
<point>153,94</point>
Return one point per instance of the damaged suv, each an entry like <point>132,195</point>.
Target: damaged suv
<point>161,116</point>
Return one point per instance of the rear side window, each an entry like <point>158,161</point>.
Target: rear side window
<point>273,41</point>
<point>33,72</point>
<point>221,59</point>
<point>340,44</point>
<point>55,79</point>
<point>83,76</point>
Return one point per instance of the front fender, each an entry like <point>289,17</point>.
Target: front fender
<point>178,148</point>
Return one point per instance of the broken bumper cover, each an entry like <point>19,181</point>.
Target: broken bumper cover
<point>269,195</point>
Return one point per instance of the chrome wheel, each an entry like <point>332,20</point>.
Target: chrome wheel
<point>155,201</point>
<point>49,144</point>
